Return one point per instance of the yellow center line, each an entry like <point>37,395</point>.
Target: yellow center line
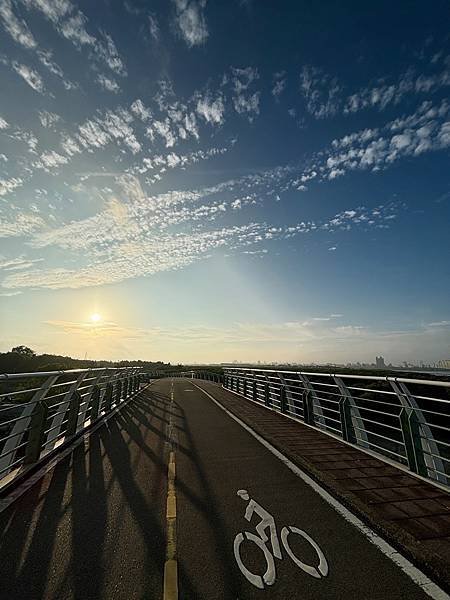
<point>171,564</point>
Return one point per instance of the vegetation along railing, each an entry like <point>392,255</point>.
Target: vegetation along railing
<point>40,411</point>
<point>405,420</point>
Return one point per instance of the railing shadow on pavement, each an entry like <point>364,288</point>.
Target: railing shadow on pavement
<point>58,539</point>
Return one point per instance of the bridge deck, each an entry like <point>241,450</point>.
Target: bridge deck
<point>97,525</point>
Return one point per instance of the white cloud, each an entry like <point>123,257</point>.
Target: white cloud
<point>50,160</point>
<point>244,101</point>
<point>53,10</point>
<point>3,124</point>
<point>279,84</point>
<point>92,135</point>
<point>108,84</point>
<point>139,235</point>
<point>47,118</point>
<point>20,32</point>
<point>112,126</point>
<point>29,75</point>
<point>8,185</point>
<point>107,50</point>
<point>71,24</point>
<point>70,146</point>
<point>22,225</point>
<point>320,91</point>
<point>164,130</point>
<point>18,264</point>
<point>381,95</point>
<point>16,27</point>
<point>140,110</point>
<point>423,131</point>
<point>325,97</point>
<point>153,27</point>
<point>211,110</point>
<point>190,21</point>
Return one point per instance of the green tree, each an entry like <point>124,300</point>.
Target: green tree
<point>24,351</point>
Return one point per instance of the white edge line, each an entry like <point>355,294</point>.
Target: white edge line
<point>417,576</point>
<point>32,479</point>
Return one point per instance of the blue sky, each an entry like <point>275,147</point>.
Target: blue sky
<point>225,181</point>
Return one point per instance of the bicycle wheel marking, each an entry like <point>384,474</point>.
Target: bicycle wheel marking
<point>267,522</point>
<point>269,576</point>
<point>322,568</point>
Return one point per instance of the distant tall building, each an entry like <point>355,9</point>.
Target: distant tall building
<point>379,362</point>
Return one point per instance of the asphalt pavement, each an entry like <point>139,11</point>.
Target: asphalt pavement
<point>172,480</point>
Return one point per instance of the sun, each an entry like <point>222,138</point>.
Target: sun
<point>95,317</point>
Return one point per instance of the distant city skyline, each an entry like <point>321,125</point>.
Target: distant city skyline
<point>207,182</point>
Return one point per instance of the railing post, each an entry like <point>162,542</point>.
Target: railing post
<point>355,427</point>
<point>308,411</point>
<point>267,393</point>
<point>283,398</point>
<point>245,387</point>
<point>36,434</point>
<point>427,448</point>
<point>254,391</point>
<point>346,419</point>
<point>118,391</point>
<point>411,432</point>
<point>72,418</point>
<point>95,402</point>
<point>108,397</point>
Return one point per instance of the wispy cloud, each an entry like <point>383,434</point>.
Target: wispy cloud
<point>191,22</point>
<point>108,84</point>
<point>279,84</point>
<point>320,91</point>
<point>16,27</point>
<point>23,225</point>
<point>140,235</point>
<point>71,23</point>
<point>326,97</point>
<point>8,185</point>
<point>381,95</point>
<point>211,110</point>
<point>48,118</point>
<point>245,102</point>
<point>21,33</point>
<point>29,75</point>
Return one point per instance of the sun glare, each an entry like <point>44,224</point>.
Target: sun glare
<point>95,318</point>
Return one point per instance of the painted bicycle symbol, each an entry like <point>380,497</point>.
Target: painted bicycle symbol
<point>268,523</point>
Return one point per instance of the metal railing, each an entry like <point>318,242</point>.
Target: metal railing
<point>406,420</point>
<point>40,411</point>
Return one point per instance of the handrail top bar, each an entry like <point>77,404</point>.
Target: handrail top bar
<point>347,376</point>
<point>8,376</point>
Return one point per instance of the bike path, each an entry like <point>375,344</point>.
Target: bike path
<point>215,458</point>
